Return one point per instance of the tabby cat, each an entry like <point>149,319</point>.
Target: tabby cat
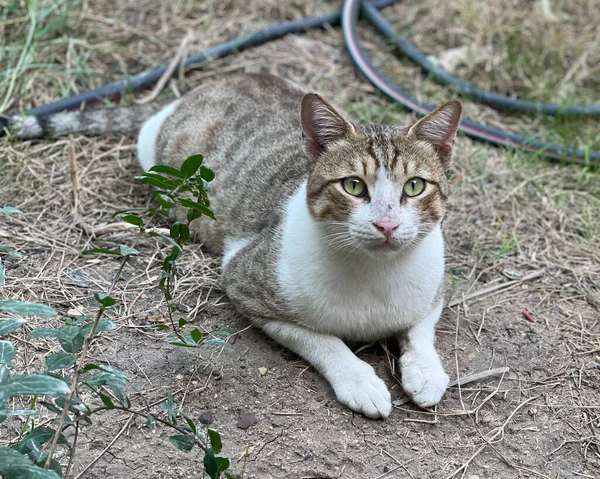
<point>329,231</point>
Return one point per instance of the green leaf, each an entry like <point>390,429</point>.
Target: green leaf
<point>11,458</point>
<point>51,407</point>
<point>164,201</point>
<point>13,253</point>
<point>132,219</point>
<point>214,466</point>
<point>196,206</point>
<point>215,441</point>
<point>175,230</point>
<point>214,342</point>
<point>182,322</point>
<point>188,420</point>
<point>151,423</point>
<point>106,379</point>
<point>34,385</point>
<point>7,326</point>
<point>7,352</point>
<point>19,412</point>
<point>9,210</point>
<point>187,342</point>
<point>158,181</point>
<point>183,442</point>
<point>128,250</point>
<point>76,406</point>
<point>206,173</point>
<point>106,400</point>
<point>103,325</point>
<point>29,471</point>
<point>27,309</point>
<point>4,373</point>
<point>38,437</point>
<point>191,165</point>
<point>166,238</point>
<point>160,327</point>
<point>44,333</point>
<point>101,251</point>
<point>68,333</point>
<point>104,299</point>
<point>185,233</point>
<point>196,335</point>
<point>60,361</point>
<point>1,274</point>
<point>168,170</point>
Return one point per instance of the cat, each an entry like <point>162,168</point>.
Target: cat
<point>328,231</point>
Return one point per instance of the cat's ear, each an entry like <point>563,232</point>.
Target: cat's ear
<point>439,128</point>
<point>322,125</point>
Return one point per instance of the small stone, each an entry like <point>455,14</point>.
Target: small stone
<point>206,417</point>
<point>76,312</point>
<point>155,318</point>
<point>246,419</point>
<point>262,371</point>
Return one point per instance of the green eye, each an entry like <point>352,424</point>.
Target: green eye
<point>355,186</point>
<point>414,187</point>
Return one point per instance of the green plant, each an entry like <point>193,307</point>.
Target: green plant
<point>32,452</point>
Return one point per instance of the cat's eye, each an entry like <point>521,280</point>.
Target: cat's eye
<point>355,186</point>
<point>414,187</point>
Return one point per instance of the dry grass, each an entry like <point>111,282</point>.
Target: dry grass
<point>509,215</point>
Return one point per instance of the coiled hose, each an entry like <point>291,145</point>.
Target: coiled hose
<point>350,12</point>
<point>348,19</point>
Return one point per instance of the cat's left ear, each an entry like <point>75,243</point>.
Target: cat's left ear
<point>322,125</point>
<point>439,128</point>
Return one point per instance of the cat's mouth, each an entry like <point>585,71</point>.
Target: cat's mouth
<point>384,246</point>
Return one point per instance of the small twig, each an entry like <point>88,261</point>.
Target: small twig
<point>497,432</point>
<point>495,288</point>
<point>72,452</point>
<point>169,71</point>
<point>145,414</point>
<point>97,458</point>
<point>101,230</point>
<point>470,378</point>
<point>74,179</point>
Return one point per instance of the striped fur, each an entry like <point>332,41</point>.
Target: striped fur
<point>90,121</point>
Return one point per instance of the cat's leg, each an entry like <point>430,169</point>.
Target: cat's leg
<point>423,376</point>
<point>354,382</point>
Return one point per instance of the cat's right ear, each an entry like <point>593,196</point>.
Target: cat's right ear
<point>322,125</point>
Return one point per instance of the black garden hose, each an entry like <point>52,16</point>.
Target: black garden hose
<point>495,100</point>
<point>150,77</point>
<point>348,18</point>
<point>350,13</point>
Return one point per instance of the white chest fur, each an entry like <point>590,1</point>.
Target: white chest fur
<point>352,295</point>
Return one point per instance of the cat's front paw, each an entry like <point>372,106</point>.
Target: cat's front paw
<point>359,388</point>
<point>423,378</point>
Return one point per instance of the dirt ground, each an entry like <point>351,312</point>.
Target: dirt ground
<point>510,217</point>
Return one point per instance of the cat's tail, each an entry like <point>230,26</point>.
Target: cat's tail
<point>126,119</point>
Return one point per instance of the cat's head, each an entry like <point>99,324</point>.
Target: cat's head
<point>376,188</point>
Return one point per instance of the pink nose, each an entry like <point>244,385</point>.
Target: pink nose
<point>386,227</point>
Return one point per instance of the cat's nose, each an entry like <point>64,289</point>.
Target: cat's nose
<point>386,227</point>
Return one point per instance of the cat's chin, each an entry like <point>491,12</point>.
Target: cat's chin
<point>384,249</point>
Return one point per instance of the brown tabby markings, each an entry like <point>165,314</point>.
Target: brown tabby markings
<point>391,148</point>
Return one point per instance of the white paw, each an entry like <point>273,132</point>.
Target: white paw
<point>423,378</point>
<point>359,388</point>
